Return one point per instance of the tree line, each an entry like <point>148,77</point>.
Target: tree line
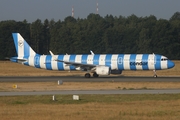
<point>109,34</point>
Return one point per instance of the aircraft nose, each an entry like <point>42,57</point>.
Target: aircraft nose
<point>170,64</point>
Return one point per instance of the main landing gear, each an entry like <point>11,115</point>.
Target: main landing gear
<point>155,75</point>
<point>95,75</point>
<point>88,75</point>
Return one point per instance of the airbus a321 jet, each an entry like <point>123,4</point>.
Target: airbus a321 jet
<point>95,64</point>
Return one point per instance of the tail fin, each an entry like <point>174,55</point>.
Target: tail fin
<point>22,47</point>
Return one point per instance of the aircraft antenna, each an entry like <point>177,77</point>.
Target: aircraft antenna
<point>97,10</point>
<point>73,11</point>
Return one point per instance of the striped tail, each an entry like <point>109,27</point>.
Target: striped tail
<point>23,49</point>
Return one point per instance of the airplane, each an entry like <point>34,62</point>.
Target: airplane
<point>97,64</point>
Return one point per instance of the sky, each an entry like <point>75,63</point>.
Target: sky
<point>32,10</point>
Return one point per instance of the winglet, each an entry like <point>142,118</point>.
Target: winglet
<point>54,58</point>
<point>51,53</point>
<point>91,52</point>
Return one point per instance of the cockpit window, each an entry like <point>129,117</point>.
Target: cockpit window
<point>164,59</point>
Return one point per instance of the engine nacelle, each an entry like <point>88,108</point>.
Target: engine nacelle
<point>116,71</point>
<point>102,70</point>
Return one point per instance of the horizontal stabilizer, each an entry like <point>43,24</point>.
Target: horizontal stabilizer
<point>19,60</point>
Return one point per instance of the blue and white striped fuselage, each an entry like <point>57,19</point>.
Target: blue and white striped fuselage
<point>113,61</point>
<point>98,64</point>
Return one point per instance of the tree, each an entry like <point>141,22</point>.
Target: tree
<point>36,32</point>
<point>107,34</point>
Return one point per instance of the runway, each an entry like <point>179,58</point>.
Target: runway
<point>82,79</point>
<point>80,92</point>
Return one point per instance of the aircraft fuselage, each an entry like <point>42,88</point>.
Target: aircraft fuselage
<point>113,61</point>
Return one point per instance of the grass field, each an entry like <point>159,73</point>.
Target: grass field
<point>89,107</point>
<point>92,107</point>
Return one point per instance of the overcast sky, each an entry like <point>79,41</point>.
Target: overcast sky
<point>32,10</point>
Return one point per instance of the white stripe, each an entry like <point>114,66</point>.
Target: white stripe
<point>139,59</point>
<point>151,64</point>
<point>65,66</point>
<point>126,61</point>
<point>42,61</point>
<point>102,59</point>
<point>164,64</point>
<point>78,58</point>
<point>31,61</point>
<point>31,52</point>
<point>20,46</point>
<point>90,59</point>
<point>114,64</point>
<point>54,63</point>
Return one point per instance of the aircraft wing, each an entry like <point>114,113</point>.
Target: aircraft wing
<point>76,64</point>
<point>81,65</point>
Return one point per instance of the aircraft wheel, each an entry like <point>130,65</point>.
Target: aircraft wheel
<point>155,76</point>
<point>95,75</point>
<point>87,75</point>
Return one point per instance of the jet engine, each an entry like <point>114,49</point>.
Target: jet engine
<point>102,70</point>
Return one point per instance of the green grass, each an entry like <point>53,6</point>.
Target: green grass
<point>67,99</point>
<point>91,107</point>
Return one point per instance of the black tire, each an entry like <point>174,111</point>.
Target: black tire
<point>95,75</point>
<point>87,75</point>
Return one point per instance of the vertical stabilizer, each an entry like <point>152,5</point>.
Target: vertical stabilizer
<point>22,47</point>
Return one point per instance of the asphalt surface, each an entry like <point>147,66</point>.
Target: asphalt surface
<point>82,79</point>
<point>76,92</point>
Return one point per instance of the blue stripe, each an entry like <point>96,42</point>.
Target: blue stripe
<point>158,62</point>
<point>15,41</point>
<point>84,59</point>
<point>37,61</point>
<point>26,63</point>
<point>60,64</point>
<point>72,59</point>
<point>108,60</point>
<point>132,59</point>
<point>96,59</point>
<point>26,49</point>
<point>48,61</point>
<point>145,59</point>
<point>120,62</point>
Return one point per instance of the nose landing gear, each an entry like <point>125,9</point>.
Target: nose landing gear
<point>155,75</point>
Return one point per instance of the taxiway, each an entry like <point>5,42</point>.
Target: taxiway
<point>82,79</point>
